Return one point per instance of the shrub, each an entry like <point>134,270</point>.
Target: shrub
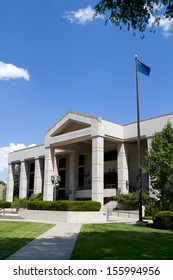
<point>36,196</point>
<point>19,202</point>
<point>64,205</point>
<point>152,208</point>
<point>5,204</point>
<point>164,220</point>
<point>4,193</point>
<point>131,200</point>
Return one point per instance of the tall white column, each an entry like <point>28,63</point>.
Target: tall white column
<point>37,177</point>
<point>10,183</point>
<point>23,188</point>
<point>48,172</point>
<point>122,166</point>
<point>73,175</point>
<point>98,169</point>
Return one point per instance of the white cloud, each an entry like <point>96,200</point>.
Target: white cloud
<point>165,23</point>
<point>4,152</point>
<point>9,71</point>
<point>82,16</point>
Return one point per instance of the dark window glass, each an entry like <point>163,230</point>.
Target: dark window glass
<point>110,180</point>
<point>81,160</point>
<point>60,194</point>
<point>32,167</point>
<point>62,174</point>
<point>62,163</point>
<point>16,179</point>
<point>81,177</point>
<point>112,155</point>
<point>31,184</point>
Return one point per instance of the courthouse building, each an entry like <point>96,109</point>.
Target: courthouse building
<point>93,158</point>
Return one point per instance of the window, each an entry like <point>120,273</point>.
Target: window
<point>81,160</point>
<point>111,155</point>
<point>31,178</point>
<point>110,179</point>
<point>62,172</point>
<point>81,171</point>
<point>16,175</point>
<point>62,163</point>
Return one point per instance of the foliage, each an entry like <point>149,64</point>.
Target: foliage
<point>19,202</point>
<point>5,204</point>
<point>131,200</point>
<point>164,220</point>
<point>152,208</point>
<point>4,193</point>
<point>135,14</point>
<point>64,205</point>
<point>3,187</point>
<point>160,165</point>
<point>36,196</point>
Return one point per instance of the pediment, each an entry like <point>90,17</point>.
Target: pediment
<point>69,126</point>
<point>71,122</point>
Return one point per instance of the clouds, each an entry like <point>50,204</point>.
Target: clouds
<point>86,15</point>
<point>82,16</point>
<point>4,151</point>
<point>9,71</point>
<point>165,23</point>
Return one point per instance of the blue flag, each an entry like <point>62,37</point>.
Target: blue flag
<point>143,68</point>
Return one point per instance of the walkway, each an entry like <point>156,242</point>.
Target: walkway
<point>55,244</point>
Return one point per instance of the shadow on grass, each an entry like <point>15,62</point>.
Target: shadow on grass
<point>51,248</point>
<point>94,242</point>
<point>123,243</point>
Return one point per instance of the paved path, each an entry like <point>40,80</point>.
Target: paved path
<point>55,244</point>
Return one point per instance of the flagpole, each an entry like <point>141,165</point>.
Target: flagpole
<point>138,143</point>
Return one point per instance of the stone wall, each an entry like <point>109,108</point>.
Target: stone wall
<point>64,216</point>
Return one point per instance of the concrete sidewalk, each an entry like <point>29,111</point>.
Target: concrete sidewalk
<point>55,244</point>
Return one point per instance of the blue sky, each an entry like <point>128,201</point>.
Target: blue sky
<point>55,58</point>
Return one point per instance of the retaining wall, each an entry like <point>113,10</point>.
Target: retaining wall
<point>64,216</point>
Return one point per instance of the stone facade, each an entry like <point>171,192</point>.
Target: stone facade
<point>95,159</point>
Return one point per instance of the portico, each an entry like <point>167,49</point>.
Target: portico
<point>76,149</point>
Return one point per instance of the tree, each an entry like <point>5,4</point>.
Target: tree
<point>160,164</point>
<point>135,14</point>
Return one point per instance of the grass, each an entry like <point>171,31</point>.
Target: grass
<point>14,235</point>
<point>122,242</point>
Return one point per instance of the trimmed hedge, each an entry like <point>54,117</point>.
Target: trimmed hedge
<point>164,220</point>
<point>5,204</point>
<point>64,205</point>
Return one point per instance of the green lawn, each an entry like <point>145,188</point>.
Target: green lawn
<point>14,235</point>
<point>122,242</point>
